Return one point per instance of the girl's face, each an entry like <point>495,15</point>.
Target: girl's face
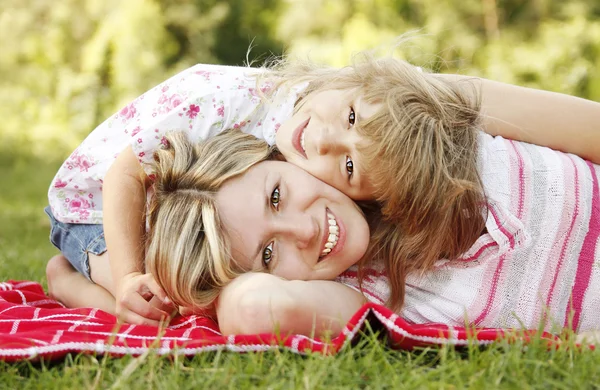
<point>320,138</point>
<point>281,219</point>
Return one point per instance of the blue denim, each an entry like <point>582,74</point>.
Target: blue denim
<point>76,241</point>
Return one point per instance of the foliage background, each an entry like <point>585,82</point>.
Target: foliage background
<point>66,65</point>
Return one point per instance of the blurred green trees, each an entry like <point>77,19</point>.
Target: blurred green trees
<point>66,65</point>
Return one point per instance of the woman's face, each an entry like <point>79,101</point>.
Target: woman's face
<point>281,219</point>
<point>321,139</point>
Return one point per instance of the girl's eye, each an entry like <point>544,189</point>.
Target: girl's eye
<point>267,254</point>
<point>349,166</point>
<point>352,117</point>
<point>275,198</point>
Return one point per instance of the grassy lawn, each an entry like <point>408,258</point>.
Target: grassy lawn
<point>24,250</point>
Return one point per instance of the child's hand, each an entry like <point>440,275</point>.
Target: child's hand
<point>133,293</point>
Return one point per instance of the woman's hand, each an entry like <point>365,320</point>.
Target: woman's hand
<point>262,303</point>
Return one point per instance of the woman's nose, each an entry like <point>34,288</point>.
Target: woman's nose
<point>302,229</point>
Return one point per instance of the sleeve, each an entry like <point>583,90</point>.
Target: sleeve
<point>374,289</point>
<point>201,101</point>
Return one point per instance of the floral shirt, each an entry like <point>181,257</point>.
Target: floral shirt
<point>202,101</point>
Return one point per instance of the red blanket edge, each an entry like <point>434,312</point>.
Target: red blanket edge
<point>34,326</point>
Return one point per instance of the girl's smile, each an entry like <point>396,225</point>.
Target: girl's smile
<point>298,139</point>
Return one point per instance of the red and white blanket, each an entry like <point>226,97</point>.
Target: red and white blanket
<point>32,325</point>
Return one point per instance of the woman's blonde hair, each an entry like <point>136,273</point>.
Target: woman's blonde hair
<point>186,250</point>
<point>420,155</point>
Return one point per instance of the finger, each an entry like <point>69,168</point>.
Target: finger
<point>137,304</point>
<point>155,302</point>
<point>136,319</point>
<point>155,288</point>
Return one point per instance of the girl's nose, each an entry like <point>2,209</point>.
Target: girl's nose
<point>302,229</point>
<point>326,143</point>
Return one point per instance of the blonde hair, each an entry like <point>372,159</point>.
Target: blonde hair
<point>420,156</point>
<point>186,250</point>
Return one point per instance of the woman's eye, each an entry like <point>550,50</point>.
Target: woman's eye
<point>268,254</point>
<point>349,166</point>
<point>352,117</point>
<point>275,198</point>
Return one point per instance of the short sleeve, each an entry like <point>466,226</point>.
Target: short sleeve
<point>201,101</point>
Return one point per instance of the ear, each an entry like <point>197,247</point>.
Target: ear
<point>276,155</point>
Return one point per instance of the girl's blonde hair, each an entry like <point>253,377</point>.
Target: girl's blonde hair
<point>420,155</point>
<point>186,250</point>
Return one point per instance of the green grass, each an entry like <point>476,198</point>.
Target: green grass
<point>24,250</point>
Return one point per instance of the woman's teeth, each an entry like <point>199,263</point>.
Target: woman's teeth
<point>302,141</point>
<point>334,234</point>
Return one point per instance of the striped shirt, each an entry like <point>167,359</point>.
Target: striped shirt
<point>538,262</point>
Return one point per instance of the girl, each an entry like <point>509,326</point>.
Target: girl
<point>103,181</point>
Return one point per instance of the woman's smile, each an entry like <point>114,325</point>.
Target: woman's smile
<point>334,236</point>
<point>280,219</point>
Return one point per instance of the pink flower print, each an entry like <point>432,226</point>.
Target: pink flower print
<point>135,131</point>
<point>277,126</point>
<point>168,103</point>
<point>221,111</point>
<point>239,125</point>
<point>128,111</point>
<point>266,87</point>
<point>175,100</point>
<point>60,184</point>
<point>139,140</point>
<point>164,88</point>
<point>83,214</point>
<point>252,91</point>
<point>90,195</point>
<point>141,154</point>
<point>193,111</point>
<point>78,204</point>
<point>81,161</point>
<point>164,142</point>
<point>204,73</point>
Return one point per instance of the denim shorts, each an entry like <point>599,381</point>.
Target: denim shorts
<point>76,241</point>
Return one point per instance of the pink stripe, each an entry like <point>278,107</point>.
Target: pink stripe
<point>568,236</point>
<point>478,253</point>
<point>511,239</point>
<point>586,256</point>
<point>488,304</point>
<point>521,180</point>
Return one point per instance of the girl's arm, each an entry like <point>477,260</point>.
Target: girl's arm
<point>562,122</point>
<point>262,303</point>
<point>124,204</point>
